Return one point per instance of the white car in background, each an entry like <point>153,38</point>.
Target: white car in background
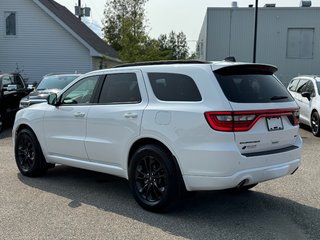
<point>305,90</point>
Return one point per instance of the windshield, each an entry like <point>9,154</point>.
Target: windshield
<point>56,82</point>
<point>318,86</point>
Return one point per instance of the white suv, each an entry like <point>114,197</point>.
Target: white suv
<point>166,127</point>
<point>306,91</point>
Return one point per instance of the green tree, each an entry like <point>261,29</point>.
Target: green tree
<point>125,30</point>
<point>175,45</point>
<point>124,27</point>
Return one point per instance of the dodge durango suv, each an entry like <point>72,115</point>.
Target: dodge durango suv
<point>167,127</point>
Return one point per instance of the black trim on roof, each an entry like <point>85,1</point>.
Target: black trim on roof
<point>164,62</point>
<point>242,69</point>
<point>79,28</point>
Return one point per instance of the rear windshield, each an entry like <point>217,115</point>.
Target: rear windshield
<point>253,88</point>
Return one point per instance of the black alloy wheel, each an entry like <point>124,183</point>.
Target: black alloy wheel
<point>28,154</point>
<point>151,180</point>
<point>315,122</point>
<point>1,122</point>
<point>154,179</point>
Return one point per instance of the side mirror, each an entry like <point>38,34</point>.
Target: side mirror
<point>53,99</point>
<point>12,87</point>
<point>306,95</point>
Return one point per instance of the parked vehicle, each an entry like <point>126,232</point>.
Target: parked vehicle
<point>305,90</point>
<point>167,127</point>
<point>49,84</point>
<point>12,89</point>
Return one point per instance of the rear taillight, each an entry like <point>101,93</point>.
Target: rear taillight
<point>244,120</point>
<point>294,118</point>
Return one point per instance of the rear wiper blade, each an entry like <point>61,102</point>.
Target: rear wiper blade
<point>278,98</point>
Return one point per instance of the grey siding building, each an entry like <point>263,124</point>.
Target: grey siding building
<point>41,36</point>
<point>288,37</point>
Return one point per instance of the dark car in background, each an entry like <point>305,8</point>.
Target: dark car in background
<point>52,83</point>
<point>12,89</point>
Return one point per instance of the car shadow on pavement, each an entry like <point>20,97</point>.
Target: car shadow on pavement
<point>203,215</point>
<point>5,133</point>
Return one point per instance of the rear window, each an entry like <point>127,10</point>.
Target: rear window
<point>253,88</point>
<point>174,87</point>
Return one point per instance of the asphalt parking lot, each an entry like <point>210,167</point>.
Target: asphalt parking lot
<point>70,203</point>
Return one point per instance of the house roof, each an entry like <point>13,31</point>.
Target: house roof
<point>79,28</point>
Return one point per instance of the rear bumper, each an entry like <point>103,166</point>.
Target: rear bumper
<point>255,175</point>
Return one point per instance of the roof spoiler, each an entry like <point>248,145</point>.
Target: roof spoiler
<point>244,69</point>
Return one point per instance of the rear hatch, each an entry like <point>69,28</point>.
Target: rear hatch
<point>264,117</point>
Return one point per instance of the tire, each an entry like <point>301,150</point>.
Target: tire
<point>1,122</point>
<point>315,124</point>
<point>28,154</point>
<point>154,179</point>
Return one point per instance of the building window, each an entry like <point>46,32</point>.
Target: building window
<point>300,42</point>
<point>10,23</point>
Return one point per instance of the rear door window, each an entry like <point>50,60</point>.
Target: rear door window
<point>121,88</point>
<point>174,87</point>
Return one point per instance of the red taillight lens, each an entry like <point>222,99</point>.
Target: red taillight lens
<point>230,121</point>
<point>244,120</point>
<point>220,121</point>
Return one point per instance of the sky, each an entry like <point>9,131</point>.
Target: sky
<point>187,16</point>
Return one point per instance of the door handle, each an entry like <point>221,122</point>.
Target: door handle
<point>131,115</point>
<point>79,114</point>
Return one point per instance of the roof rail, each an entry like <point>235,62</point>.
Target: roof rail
<point>161,63</point>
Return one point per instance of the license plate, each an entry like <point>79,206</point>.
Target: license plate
<point>274,123</point>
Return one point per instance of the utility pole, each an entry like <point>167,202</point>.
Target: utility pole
<point>255,32</point>
<point>82,12</point>
<point>79,5</point>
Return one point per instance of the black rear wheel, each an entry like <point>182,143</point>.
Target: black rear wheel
<point>315,122</point>
<point>154,179</point>
<point>28,154</point>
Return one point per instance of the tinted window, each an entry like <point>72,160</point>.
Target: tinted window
<point>293,85</point>
<point>318,86</point>
<point>7,80</point>
<point>81,92</point>
<point>120,88</point>
<point>255,88</point>
<point>174,87</point>
<point>301,85</point>
<point>309,88</point>
<point>18,81</point>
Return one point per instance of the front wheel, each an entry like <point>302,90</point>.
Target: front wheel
<point>315,122</point>
<point>154,179</point>
<point>28,154</point>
